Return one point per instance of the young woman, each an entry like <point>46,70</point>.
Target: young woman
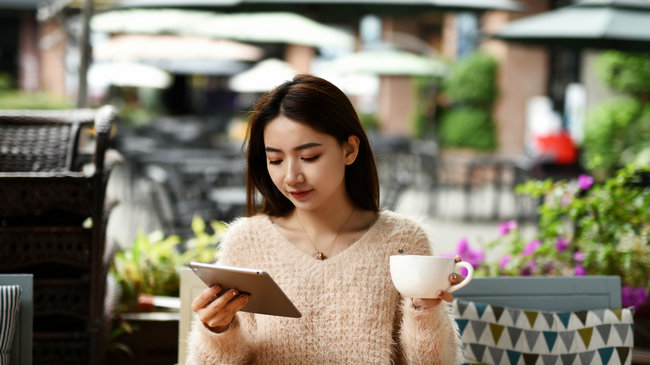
<point>319,232</point>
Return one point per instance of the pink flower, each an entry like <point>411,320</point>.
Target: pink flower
<point>473,256</point>
<point>561,244</point>
<point>579,270</point>
<point>585,181</point>
<point>506,227</point>
<point>504,261</point>
<point>633,297</point>
<point>531,247</point>
<point>579,256</point>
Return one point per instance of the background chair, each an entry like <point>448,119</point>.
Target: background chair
<point>52,224</point>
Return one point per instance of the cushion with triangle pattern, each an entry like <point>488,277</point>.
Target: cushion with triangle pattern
<point>493,334</point>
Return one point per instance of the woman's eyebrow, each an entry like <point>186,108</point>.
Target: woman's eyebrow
<point>299,148</point>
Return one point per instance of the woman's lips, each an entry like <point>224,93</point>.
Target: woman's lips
<point>300,194</point>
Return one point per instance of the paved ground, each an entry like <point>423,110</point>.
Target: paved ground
<point>446,225</point>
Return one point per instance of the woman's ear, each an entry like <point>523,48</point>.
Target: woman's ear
<point>351,149</point>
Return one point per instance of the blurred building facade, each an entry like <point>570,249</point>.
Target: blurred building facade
<point>46,43</point>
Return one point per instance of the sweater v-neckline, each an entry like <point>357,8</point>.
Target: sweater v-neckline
<point>298,253</point>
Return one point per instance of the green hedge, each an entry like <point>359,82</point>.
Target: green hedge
<point>468,127</point>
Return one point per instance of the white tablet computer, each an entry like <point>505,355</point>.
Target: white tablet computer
<point>265,296</point>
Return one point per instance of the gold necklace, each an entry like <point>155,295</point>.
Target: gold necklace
<point>320,255</point>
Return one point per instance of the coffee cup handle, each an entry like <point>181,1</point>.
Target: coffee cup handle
<point>468,278</point>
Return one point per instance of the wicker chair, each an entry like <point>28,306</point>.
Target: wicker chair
<point>52,224</point>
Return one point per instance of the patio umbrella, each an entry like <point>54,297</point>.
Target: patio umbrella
<point>338,8</point>
<point>134,47</point>
<point>598,24</point>
<point>252,27</point>
<point>389,63</point>
<point>127,74</point>
<point>262,77</point>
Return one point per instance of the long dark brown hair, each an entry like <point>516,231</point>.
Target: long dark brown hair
<point>322,106</point>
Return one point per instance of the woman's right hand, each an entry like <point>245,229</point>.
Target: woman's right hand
<point>218,312</point>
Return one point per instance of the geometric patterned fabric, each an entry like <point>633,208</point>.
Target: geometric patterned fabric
<point>502,335</point>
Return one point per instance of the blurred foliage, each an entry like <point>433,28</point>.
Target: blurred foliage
<point>473,81</point>
<point>625,72</point>
<point>472,89</point>
<point>423,119</point>
<point>11,98</point>
<point>468,127</point>
<point>152,264</point>
<point>40,100</point>
<point>618,132</point>
<point>369,121</point>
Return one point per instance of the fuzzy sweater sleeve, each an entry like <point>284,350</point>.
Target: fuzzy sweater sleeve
<point>233,345</point>
<point>427,336</point>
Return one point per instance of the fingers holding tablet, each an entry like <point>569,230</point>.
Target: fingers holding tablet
<point>216,309</point>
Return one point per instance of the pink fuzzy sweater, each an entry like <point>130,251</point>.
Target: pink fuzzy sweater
<point>352,314</point>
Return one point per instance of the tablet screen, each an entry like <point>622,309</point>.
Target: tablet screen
<point>265,296</point>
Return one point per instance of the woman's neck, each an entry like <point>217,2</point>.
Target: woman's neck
<point>326,219</point>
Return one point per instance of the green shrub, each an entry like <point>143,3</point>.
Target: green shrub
<point>472,88</point>
<point>615,133</point>
<point>473,81</point>
<point>467,127</point>
<point>625,72</point>
<point>13,99</point>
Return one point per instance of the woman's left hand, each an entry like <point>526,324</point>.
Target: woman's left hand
<point>423,303</point>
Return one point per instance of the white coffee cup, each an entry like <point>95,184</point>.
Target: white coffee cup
<point>420,276</point>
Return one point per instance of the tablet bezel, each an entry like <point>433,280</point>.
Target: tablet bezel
<point>265,296</point>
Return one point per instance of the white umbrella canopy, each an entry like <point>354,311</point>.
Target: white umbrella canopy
<point>389,63</point>
<point>343,7</point>
<point>127,74</point>
<point>134,47</point>
<point>252,27</point>
<point>598,24</point>
<point>262,77</point>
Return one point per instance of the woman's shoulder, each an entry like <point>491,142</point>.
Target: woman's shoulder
<point>245,227</point>
<point>243,237</point>
<point>398,221</point>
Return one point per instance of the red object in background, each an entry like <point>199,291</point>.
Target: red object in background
<point>559,147</point>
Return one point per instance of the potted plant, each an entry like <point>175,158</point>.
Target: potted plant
<point>584,228</point>
<point>150,267</point>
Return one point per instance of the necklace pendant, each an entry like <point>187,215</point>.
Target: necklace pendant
<point>320,256</point>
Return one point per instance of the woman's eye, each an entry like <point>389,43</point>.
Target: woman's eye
<point>309,159</point>
<point>274,162</point>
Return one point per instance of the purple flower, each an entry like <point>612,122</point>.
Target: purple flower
<point>585,181</point>
<point>528,268</point>
<point>473,256</point>
<point>579,256</point>
<point>531,247</point>
<point>504,261</point>
<point>633,297</point>
<point>506,227</point>
<point>579,270</point>
<point>561,244</point>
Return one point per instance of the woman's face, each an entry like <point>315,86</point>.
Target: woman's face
<point>307,166</point>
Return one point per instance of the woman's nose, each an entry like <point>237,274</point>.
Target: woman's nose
<point>293,174</point>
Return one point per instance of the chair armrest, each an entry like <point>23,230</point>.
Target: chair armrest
<point>104,119</point>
